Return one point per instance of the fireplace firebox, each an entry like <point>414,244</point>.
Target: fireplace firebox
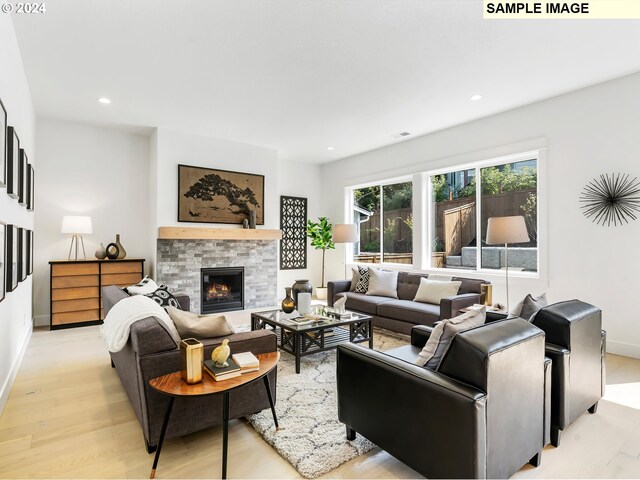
<point>222,289</point>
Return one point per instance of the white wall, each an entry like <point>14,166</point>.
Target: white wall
<point>95,171</point>
<point>16,308</point>
<point>587,133</point>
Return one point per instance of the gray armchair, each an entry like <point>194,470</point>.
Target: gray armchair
<point>461,420</point>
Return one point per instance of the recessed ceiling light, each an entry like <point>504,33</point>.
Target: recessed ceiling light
<point>330,148</point>
<point>476,97</point>
<point>104,100</point>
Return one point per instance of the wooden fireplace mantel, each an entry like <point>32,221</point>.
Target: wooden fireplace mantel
<point>197,233</point>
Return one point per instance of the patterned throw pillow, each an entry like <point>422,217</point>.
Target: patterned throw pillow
<point>163,297</point>
<point>363,282</point>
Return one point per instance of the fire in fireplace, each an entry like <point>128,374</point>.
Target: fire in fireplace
<point>222,289</point>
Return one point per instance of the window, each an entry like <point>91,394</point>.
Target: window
<point>384,215</point>
<point>459,215</point>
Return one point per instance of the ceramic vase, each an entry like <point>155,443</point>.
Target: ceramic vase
<point>252,219</point>
<point>288,305</point>
<point>121,251</point>
<point>299,287</point>
<point>101,252</point>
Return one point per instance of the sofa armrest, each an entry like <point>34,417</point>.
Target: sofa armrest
<point>560,415</point>
<point>603,359</point>
<point>184,301</point>
<point>548,365</point>
<point>391,389</point>
<point>336,286</point>
<point>420,334</point>
<point>450,306</point>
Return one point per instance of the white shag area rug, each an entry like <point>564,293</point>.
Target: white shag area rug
<point>310,437</point>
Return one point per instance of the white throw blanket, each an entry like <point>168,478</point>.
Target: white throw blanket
<point>117,323</point>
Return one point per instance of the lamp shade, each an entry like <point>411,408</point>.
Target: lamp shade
<point>501,230</point>
<point>345,233</point>
<point>76,224</point>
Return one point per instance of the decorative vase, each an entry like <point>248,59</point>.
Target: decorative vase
<point>121,251</point>
<point>112,251</point>
<point>304,303</point>
<point>252,219</point>
<point>299,287</point>
<point>101,252</point>
<point>288,305</point>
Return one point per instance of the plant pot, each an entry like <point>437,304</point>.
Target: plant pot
<point>321,293</point>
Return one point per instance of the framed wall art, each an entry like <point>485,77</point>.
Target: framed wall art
<point>11,258</point>
<point>13,162</point>
<point>206,195</point>
<point>293,223</point>
<point>22,254</point>
<point>30,252</point>
<point>23,178</point>
<point>30,188</point>
<point>3,262</point>
<point>3,145</point>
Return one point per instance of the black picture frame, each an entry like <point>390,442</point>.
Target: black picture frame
<point>11,258</point>
<point>30,252</point>
<point>31,194</point>
<point>22,254</point>
<point>3,263</point>
<point>22,178</point>
<point>236,193</point>
<point>13,162</point>
<point>3,146</point>
<point>293,224</point>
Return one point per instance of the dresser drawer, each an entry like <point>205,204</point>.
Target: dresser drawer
<point>122,267</point>
<point>75,317</point>
<point>75,269</point>
<point>62,306</point>
<point>75,281</point>
<point>74,293</point>
<point>121,279</point>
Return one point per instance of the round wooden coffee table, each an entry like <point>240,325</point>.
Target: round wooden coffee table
<point>173,386</point>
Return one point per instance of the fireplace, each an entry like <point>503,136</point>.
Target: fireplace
<point>222,289</point>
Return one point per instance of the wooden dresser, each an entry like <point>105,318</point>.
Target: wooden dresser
<point>76,295</point>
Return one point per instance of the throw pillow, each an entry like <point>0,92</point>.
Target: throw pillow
<point>443,334</point>
<point>383,283</point>
<point>355,276</point>
<point>163,297</point>
<point>431,291</point>
<point>440,278</point>
<point>144,287</point>
<point>531,305</point>
<point>191,324</point>
<point>363,282</point>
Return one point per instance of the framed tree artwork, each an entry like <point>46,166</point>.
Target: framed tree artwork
<point>30,188</point>
<point>13,162</point>
<point>11,258</point>
<point>3,262</point>
<point>206,195</point>
<point>23,178</point>
<point>3,146</point>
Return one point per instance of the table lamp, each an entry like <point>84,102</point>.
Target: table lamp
<point>506,230</point>
<point>76,225</point>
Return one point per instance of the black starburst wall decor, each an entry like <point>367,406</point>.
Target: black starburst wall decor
<point>611,199</point>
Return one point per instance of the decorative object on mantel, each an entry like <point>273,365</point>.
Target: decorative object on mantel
<point>321,239</point>
<point>219,196</point>
<point>288,304</point>
<point>245,223</point>
<point>611,199</point>
<point>112,251</point>
<point>101,252</point>
<point>122,253</point>
<point>293,222</point>
<point>76,225</point>
<point>299,287</point>
<point>252,219</point>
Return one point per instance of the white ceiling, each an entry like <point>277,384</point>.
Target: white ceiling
<point>304,75</point>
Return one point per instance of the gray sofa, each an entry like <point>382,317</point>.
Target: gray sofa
<point>151,352</point>
<point>403,313</point>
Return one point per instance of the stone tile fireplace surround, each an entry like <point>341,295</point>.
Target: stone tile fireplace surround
<point>179,262</point>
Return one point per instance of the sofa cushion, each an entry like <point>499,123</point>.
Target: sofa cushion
<point>531,305</point>
<point>433,291</point>
<point>383,283</point>
<point>163,297</point>
<point>191,324</point>
<point>409,311</point>
<point>470,285</point>
<point>363,280</point>
<point>408,284</point>
<point>364,303</point>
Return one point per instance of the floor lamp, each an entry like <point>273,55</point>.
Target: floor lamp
<point>506,230</point>
<point>76,225</point>
<point>345,233</point>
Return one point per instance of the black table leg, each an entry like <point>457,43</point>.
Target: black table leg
<point>273,408</point>
<point>225,433</point>
<point>370,328</point>
<point>298,347</point>
<point>165,422</point>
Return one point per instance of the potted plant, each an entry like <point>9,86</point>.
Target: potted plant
<point>321,239</point>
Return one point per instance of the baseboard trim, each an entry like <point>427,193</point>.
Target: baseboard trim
<point>8,384</point>
<point>624,349</point>
<point>41,321</point>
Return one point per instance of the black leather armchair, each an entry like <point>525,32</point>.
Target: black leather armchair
<point>575,342</point>
<point>460,421</point>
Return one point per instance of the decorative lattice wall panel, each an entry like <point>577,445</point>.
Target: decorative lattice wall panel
<point>293,223</point>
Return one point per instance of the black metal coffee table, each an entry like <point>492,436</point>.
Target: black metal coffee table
<point>322,334</point>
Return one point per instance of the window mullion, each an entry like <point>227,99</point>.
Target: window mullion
<point>381,224</point>
<point>478,219</point>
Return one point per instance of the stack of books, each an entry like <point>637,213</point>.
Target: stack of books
<point>222,373</point>
<point>247,362</point>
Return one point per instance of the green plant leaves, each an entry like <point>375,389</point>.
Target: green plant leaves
<point>320,234</point>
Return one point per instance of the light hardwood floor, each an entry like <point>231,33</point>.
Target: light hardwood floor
<point>68,417</point>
